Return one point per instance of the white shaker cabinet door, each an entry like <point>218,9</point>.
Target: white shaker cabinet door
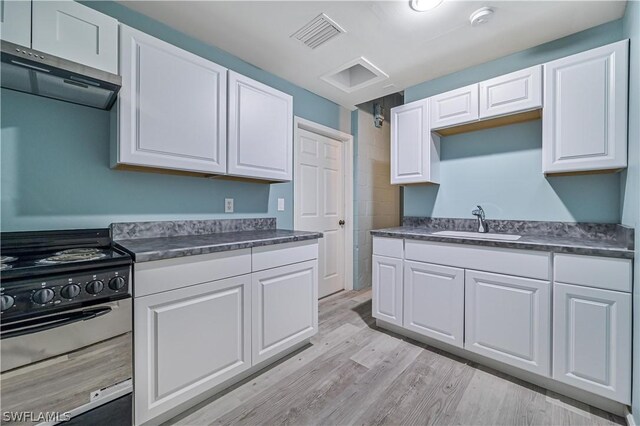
<point>172,107</point>
<point>387,289</point>
<point>415,150</point>
<point>509,319</point>
<point>434,301</point>
<point>15,21</point>
<point>285,308</point>
<point>455,107</point>
<point>75,32</point>
<point>584,119</point>
<point>260,130</point>
<point>592,340</point>
<point>189,340</point>
<point>511,93</point>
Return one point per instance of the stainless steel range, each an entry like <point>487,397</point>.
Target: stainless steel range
<point>65,328</point>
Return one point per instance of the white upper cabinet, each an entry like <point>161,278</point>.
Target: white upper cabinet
<point>585,111</point>
<point>454,107</point>
<point>415,150</point>
<point>509,319</point>
<point>15,21</point>
<point>434,301</point>
<point>260,130</point>
<point>592,340</point>
<point>75,32</point>
<point>511,93</point>
<point>172,107</point>
<point>387,289</point>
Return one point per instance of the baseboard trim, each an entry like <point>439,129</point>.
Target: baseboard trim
<point>544,382</point>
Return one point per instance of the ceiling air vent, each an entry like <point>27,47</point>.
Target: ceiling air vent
<point>320,30</point>
<point>354,75</point>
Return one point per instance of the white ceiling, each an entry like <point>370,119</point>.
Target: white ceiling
<point>410,47</point>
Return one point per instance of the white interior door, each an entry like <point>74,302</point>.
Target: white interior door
<point>319,185</point>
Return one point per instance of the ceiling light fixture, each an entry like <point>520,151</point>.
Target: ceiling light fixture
<point>424,5</point>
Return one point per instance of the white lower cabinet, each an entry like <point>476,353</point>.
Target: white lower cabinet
<point>285,308</point>
<point>507,318</point>
<point>189,340</point>
<point>387,289</point>
<point>576,331</point>
<point>434,301</point>
<point>592,340</point>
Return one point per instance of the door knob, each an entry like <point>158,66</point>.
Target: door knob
<point>341,222</point>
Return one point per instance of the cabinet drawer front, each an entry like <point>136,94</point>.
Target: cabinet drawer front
<point>285,308</point>
<point>170,274</point>
<point>76,32</point>
<point>533,264</point>
<point>592,340</point>
<point>390,247</point>
<point>586,129</point>
<point>511,93</point>
<point>455,107</point>
<point>434,301</point>
<point>601,272</point>
<point>273,256</point>
<point>187,341</point>
<point>509,319</point>
<point>387,286</point>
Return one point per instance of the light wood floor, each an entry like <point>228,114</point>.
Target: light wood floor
<point>355,373</point>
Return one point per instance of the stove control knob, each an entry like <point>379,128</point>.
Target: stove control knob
<point>95,287</point>
<point>7,302</point>
<point>70,291</point>
<point>42,296</point>
<point>117,283</point>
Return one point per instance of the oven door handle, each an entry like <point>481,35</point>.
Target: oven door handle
<point>54,321</point>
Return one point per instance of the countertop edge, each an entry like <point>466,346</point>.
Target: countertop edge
<point>621,252</point>
<point>149,256</point>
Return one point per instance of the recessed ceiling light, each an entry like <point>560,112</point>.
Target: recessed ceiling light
<point>424,5</point>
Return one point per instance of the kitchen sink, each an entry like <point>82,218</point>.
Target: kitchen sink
<point>478,235</point>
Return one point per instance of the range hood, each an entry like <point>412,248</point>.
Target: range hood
<point>31,71</point>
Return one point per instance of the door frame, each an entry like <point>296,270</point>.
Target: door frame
<point>347,143</point>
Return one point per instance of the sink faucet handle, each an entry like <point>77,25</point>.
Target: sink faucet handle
<point>478,212</point>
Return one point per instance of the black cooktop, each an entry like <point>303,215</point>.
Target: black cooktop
<point>33,254</point>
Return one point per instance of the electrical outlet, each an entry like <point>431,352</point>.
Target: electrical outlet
<point>228,205</point>
<point>280,204</point>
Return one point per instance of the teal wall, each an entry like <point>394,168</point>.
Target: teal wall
<point>54,169</point>
<point>501,168</point>
<point>631,194</point>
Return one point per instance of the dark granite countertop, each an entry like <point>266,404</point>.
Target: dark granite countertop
<point>586,239</point>
<point>167,247</point>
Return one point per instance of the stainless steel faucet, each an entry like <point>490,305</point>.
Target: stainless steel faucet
<point>482,224</point>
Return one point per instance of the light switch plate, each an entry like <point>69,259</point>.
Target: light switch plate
<point>280,204</point>
<point>228,205</point>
